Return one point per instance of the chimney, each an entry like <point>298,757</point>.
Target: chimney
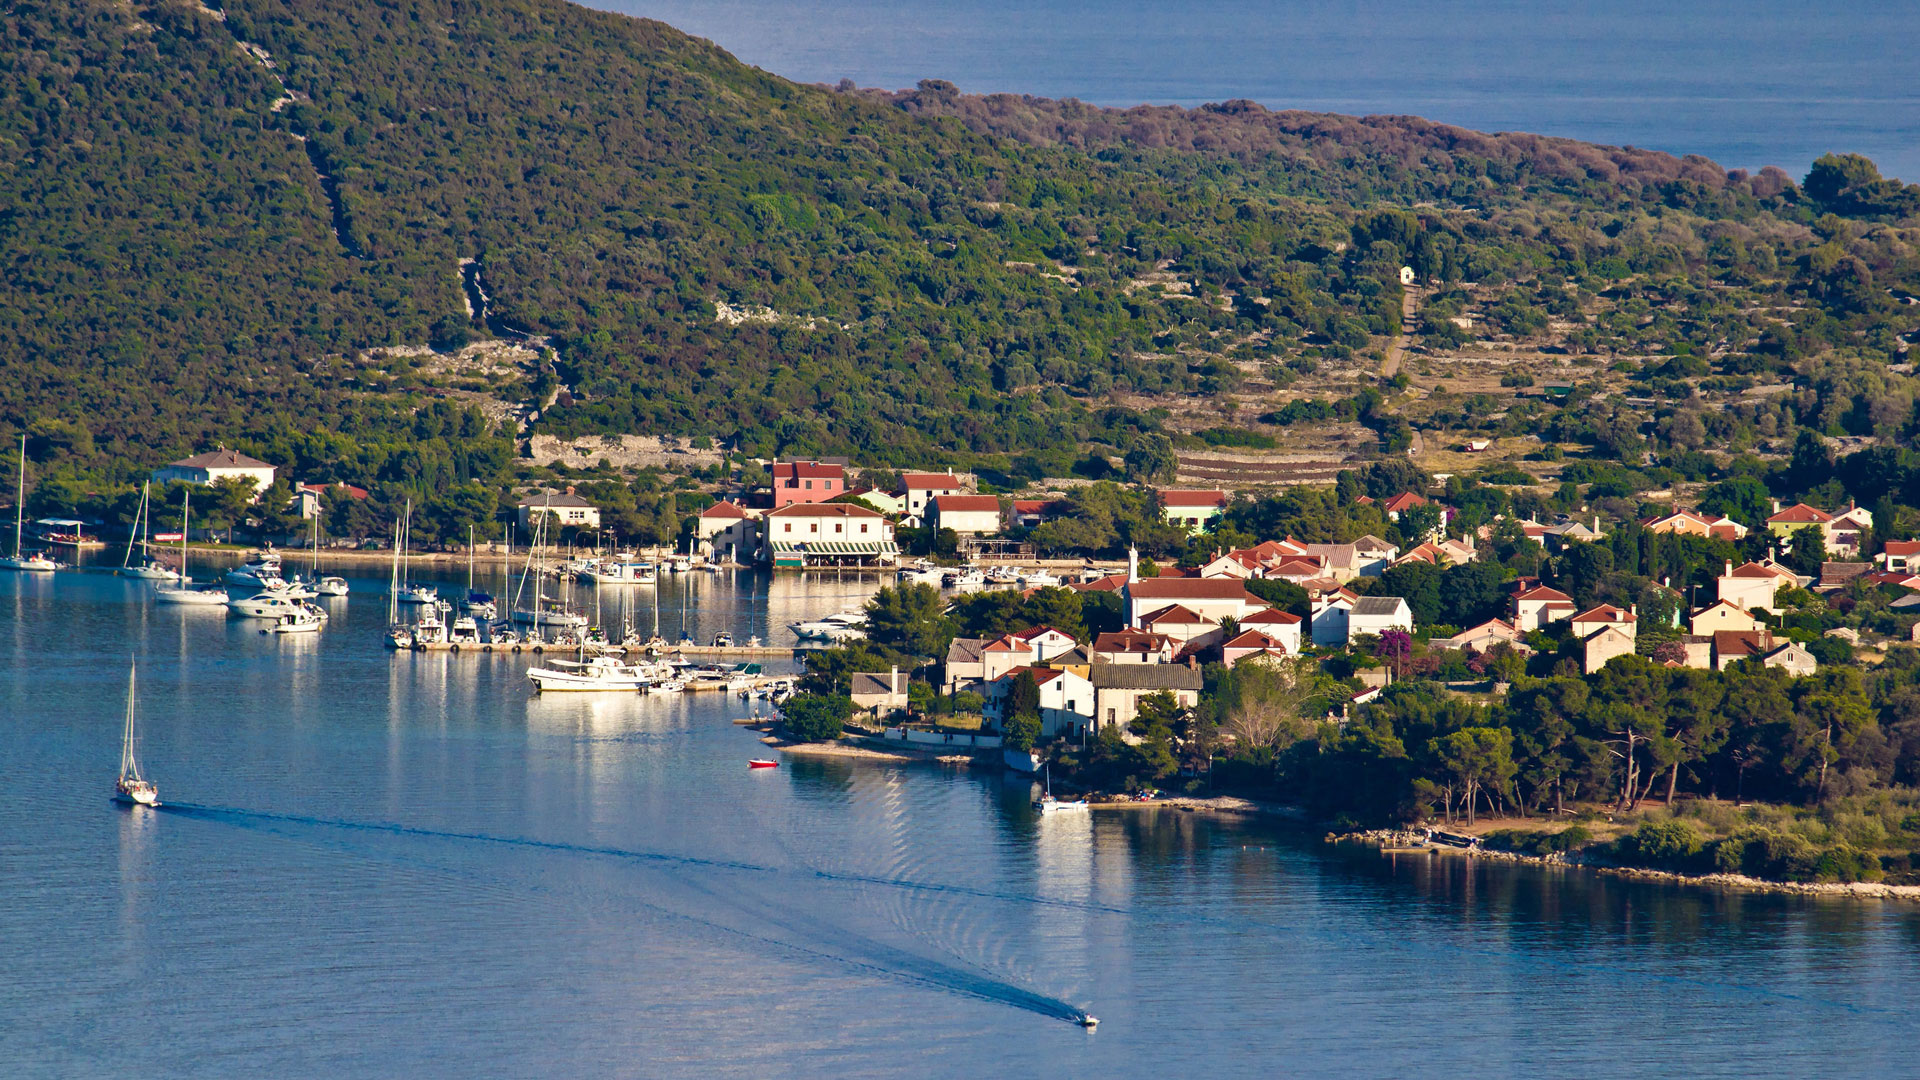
<point>1192,662</point>
<point>1776,506</point>
<point>1729,570</point>
<point>1133,565</point>
<point>893,679</point>
<point>569,489</point>
<point>1634,611</point>
<point>1596,524</point>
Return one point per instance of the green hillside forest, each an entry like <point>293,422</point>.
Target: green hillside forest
<point>209,215</point>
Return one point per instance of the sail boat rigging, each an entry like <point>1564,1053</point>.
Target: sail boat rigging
<point>146,568</point>
<point>132,788</point>
<point>36,563</point>
<point>184,591</point>
<point>331,585</point>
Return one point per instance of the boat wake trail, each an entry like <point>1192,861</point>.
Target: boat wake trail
<point>798,935</point>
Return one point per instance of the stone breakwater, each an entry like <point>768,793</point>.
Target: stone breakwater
<point>1401,838</point>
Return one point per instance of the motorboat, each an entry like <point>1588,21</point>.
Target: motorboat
<point>429,630</point>
<point>331,586</point>
<point>762,763</point>
<point>667,686</point>
<point>722,640</point>
<point>621,570</point>
<point>131,788</point>
<point>842,626</point>
<point>187,594</point>
<point>307,620</point>
<point>1039,579</point>
<point>920,573</point>
<point>266,605</point>
<point>549,613</point>
<point>261,573</point>
<point>1002,575</point>
<point>36,563</point>
<point>968,578</point>
<point>417,594</point>
<point>592,673</point>
<point>400,636</point>
<point>1087,1020</point>
<point>480,605</point>
<point>464,630</point>
<point>678,564</point>
<point>501,633</point>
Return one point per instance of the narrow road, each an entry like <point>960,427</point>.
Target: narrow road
<point>1399,343</point>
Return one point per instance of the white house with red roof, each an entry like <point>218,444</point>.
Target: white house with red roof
<point>801,535</point>
<point>1212,598</point>
<point>1066,700</point>
<point>1693,523</point>
<point>1254,645</point>
<point>1132,647</point>
<point>1840,532</point>
<point>214,466</point>
<point>1283,626</point>
<point>1754,585</point>
<point>1401,503</point>
<point>1483,637</point>
<point>1182,625</point>
<point>807,482</point>
<point>920,489</point>
<point>1595,619</point>
<point>727,530</point>
<point>1193,510</point>
<point>1539,606</point>
<point>968,515</point>
<point>1900,556</point>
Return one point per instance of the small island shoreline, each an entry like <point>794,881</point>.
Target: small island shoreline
<point>1402,840</point>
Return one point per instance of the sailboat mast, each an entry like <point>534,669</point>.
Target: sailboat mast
<point>129,768</point>
<point>186,496</point>
<point>20,499</point>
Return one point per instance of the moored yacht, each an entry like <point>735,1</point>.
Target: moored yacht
<point>36,563</point>
<point>592,673</point>
<point>132,788</point>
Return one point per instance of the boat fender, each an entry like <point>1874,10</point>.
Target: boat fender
<point>455,647</point>
<point>516,650</point>
<point>263,631</point>
<point>419,646</point>
<point>537,650</point>
<point>486,648</point>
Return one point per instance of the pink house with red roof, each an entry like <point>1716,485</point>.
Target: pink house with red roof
<point>807,482</point>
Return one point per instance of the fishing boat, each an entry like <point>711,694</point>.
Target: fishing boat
<point>36,563</point>
<point>667,686</point>
<point>762,763</point>
<point>184,592</point>
<point>306,620</point>
<point>1047,804</point>
<point>145,568</point>
<point>464,630</point>
<point>591,673</point>
<point>132,788</point>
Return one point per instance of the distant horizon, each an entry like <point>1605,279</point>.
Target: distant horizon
<point>1748,85</point>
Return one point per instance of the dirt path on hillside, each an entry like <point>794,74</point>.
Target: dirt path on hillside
<point>1398,346</point>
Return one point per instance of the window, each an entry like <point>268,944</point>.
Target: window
<point>1110,716</point>
<point>809,485</point>
<point>788,526</point>
<point>838,528</point>
<point>863,528</point>
<point>815,527</point>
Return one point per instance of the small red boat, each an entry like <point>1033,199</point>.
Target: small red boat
<point>762,763</point>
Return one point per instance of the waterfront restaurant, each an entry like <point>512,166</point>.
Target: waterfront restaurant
<point>804,536</point>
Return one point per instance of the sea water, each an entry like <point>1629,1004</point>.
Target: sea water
<point>374,865</point>
<point>1748,83</point>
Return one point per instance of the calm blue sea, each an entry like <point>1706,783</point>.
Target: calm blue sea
<point>1751,83</point>
<point>377,865</point>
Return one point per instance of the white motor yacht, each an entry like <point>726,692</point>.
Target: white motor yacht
<point>262,573</point>
<point>464,630</point>
<point>621,570</point>
<point>331,586</point>
<point>418,594</point>
<point>188,594</point>
<point>307,620</point>
<point>266,605</point>
<point>842,626</point>
<point>1039,579</point>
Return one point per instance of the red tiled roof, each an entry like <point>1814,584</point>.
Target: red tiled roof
<point>1193,498</point>
<point>1173,613</point>
<point>954,504</point>
<point>1189,589</point>
<point>930,481</point>
<point>802,470</point>
<point>1606,613</point>
<point>723,509</point>
<point>1903,547</point>
<point>1254,639</point>
<point>1760,570</point>
<point>1271,617</point>
<point>1130,641</point>
<point>1110,583</point>
<point>1402,501</point>
<point>1800,514</point>
<point>840,510</point>
<point>1543,592</point>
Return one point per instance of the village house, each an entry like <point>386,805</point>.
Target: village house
<point>807,482</point>
<point>1838,575</point>
<point>965,666</point>
<point>1066,699</point>
<point>1848,530</point>
<point>1595,619</point>
<point>1210,598</point>
<point>1539,606</point>
<point>1283,626</point>
<point>967,515</point>
<point>1185,627</point>
<point>1691,523</point>
<point>972,661</point>
<point>889,503</point>
<point>1839,532</point>
<point>1233,564</point>
<point>919,489</point>
<point>1377,614</point>
<point>562,509</point>
<point>1026,513</point>
<point>1119,688</point>
<point>1603,645</point>
<point>880,694</point>
<point>1721,615</point>
<point>1193,510</point>
<point>1253,645</point>
<point>1483,637</point>
<point>1373,555</point>
<point>1132,647</point>
<point>308,498</point>
<point>801,535</point>
<point>1731,646</point>
<point>1401,503</point>
<point>727,530</point>
<point>1900,556</point>
<point>1754,585</point>
<point>1328,620</point>
<point>216,465</point>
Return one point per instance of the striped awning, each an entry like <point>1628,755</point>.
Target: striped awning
<point>836,547</point>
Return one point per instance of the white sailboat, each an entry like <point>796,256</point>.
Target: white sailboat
<point>132,788</point>
<point>146,568</point>
<point>185,593</point>
<point>1047,804</point>
<point>329,585</point>
<point>410,593</point>
<point>36,563</point>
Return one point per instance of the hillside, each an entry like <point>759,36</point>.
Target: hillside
<point>213,215</point>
